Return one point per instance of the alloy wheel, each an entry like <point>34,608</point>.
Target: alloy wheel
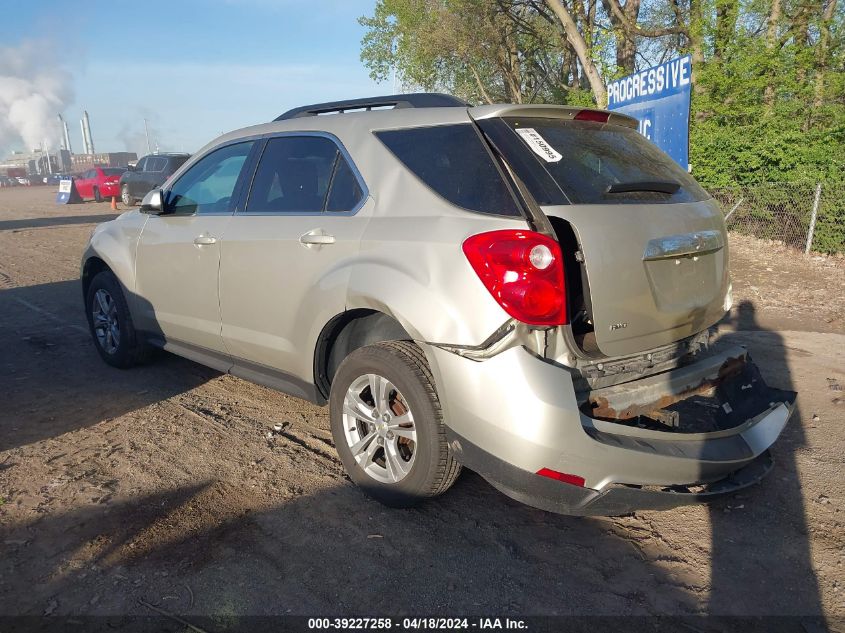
<point>106,326</point>
<point>379,428</point>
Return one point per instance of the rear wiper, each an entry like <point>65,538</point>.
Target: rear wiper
<point>645,185</point>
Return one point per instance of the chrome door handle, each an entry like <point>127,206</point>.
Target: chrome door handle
<point>204,240</point>
<point>313,237</point>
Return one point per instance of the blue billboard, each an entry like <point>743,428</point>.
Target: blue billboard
<point>659,98</point>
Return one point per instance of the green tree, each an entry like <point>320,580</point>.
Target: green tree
<point>768,75</point>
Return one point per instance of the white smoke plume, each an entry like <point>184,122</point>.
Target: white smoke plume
<point>33,90</point>
<point>134,137</point>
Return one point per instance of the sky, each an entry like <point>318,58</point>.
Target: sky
<point>193,68</point>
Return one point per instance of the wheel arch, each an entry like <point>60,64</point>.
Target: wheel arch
<point>346,332</point>
<point>92,267</point>
<point>95,261</point>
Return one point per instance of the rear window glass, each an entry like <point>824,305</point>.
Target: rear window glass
<point>453,161</point>
<point>113,171</point>
<point>586,159</point>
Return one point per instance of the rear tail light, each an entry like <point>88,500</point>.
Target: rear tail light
<point>523,270</point>
<point>592,115</point>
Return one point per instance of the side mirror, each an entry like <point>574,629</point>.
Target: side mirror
<point>153,203</point>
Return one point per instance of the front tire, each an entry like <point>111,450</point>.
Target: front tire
<point>126,197</point>
<point>388,427</point>
<point>110,323</point>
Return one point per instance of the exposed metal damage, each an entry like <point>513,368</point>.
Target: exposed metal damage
<point>717,393</point>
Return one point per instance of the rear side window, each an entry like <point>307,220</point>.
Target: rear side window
<point>303,174</point>
<point>588,159</point>
<point>454,162</point>
<point>156,163</point>
<point>175,163</point>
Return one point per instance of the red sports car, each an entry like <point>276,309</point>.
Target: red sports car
<point>99,183</point>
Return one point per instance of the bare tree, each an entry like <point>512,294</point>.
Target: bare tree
<point>579,45</point>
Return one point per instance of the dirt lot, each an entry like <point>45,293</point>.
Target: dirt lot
<point>160,483</point>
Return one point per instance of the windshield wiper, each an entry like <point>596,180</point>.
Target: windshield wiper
<point>645,185</point>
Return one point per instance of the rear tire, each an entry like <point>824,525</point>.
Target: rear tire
<point>97,196</point>
<point>110,323</point>
<point>126,197</point>
<point>393,445</point>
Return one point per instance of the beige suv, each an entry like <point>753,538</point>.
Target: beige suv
<point>522,290</point>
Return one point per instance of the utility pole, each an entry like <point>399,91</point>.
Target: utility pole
<point>147,134</point>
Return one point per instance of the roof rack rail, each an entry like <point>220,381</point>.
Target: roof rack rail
<point>413,100</point>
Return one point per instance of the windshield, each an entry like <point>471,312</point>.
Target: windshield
<point>581,162</point>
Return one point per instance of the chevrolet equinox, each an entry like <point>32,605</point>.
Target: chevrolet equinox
<point>524,290</point>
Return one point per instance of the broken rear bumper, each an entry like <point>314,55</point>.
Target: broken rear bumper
<point>515,414</point>
<point>563,498</point>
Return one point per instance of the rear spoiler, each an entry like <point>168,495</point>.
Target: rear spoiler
<point>552,112</point>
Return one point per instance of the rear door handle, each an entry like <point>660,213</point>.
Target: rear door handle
<point>686,244</point>
<point>204,240</point>
<point>316,237</point>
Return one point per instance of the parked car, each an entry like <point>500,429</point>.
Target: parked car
<point>5,181</point>
<point>99,183</point>
<point>24,180</point>
<point>147,174</point>
<point>524,290</point>
<point>55,179</point>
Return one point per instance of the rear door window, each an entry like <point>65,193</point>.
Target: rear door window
<point>453,161</point>
<point>345,192</point>
<point>303,174</point>
<point>580,162</point>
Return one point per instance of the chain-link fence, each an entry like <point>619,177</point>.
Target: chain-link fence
<point>804,216</point>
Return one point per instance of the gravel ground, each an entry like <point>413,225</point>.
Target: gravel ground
<point>161,484</point>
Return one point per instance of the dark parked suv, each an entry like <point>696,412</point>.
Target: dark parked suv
<point>149,173</point>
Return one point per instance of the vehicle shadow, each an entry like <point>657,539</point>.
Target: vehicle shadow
<point>779,578</point>
<point>194,550</point>
<point>45,343</point>
<point>50,221</point>
<point>332,552</point>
